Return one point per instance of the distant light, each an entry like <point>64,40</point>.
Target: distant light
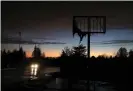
<point>35,72</point>
<point>32,66</point>
<point>34,69</point>
<point>36,66</point>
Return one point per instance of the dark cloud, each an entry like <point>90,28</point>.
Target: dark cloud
<point>51,15</point>
<point>113,42</point>
<point>118,41</point>
<point>10,40</point>
<point>3,37</point>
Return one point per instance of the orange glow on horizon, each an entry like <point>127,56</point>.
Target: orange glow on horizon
<point>52,54</point>
<point>57,54</point>
<point>97,53</point>
<point>47,54</point>
<point>28,54</point>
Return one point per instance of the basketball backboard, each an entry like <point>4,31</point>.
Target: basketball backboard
<point>89,24</point>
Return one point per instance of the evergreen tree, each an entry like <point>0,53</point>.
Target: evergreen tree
<point>122,52</point>
<point>36,52</point>
<point>131,53</point>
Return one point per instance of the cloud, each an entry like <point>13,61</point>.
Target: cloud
<point>117,41</point>
<point>6,40</point>
<point>113,42</point>
<point>4,36</point>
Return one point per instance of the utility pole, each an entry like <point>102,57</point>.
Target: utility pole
<point>19,39</point>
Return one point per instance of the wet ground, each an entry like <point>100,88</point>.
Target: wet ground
<point>51,86</point>
<point>12,80</point>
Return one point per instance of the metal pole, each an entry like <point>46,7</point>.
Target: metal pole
<point>20,39</point>
<point>88,52</point>
<point>89,30</point>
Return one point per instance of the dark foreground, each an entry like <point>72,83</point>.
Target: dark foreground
<point>49,83</point>
<point>118,73</point>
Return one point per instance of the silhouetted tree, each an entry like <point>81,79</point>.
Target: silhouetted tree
<point>36,52</point>
<point>79,51</point>
<point>131,53</point>
<point>8,52</point>
<point>4,52</point>
<point>93,57</point>
<point>21,54</point>
<point>14,57</point>
<point>3,58</point>
<point>43,55</point>
<point>122,52</point>
<point>24,54</point>
<point>103,56</point>
<point>11,59</point>
<point>67,52</point>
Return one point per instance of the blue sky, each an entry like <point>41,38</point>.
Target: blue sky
<point>97,48</point>
<point>52,21</point>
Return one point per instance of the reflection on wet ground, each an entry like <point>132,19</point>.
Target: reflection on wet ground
<point>32,82</point>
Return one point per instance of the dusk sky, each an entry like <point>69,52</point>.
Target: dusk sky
<point>52,22</point>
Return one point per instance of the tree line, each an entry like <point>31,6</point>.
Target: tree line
<point>11,59</point>
<point>81,51</point>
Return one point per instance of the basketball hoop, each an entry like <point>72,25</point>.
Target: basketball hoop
<point>89,25</point>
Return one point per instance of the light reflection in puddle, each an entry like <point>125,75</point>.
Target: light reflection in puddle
<point>34,70</point>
